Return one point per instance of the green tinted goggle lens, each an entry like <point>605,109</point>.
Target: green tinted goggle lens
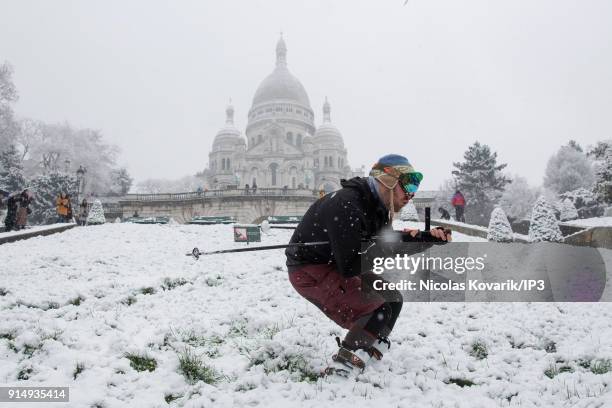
<point>410,181</point>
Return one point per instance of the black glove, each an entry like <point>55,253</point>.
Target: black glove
<point>425,236</point>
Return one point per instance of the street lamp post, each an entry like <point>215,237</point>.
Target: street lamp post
<point>80,175</point>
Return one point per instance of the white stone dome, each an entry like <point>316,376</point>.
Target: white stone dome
<point>281,85</point>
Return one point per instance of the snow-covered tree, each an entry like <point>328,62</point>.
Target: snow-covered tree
<point>598,152</point>
<point>181,185</point>
<point>568,170</point>
<point>8,96</point>
<point>544,225</point>
<point>409,213</point>
<point>585,202</point>
<point>46,189</point>
<point>122,182</point>
<point>480,180</point>
<point>603,179</point>
<point>499,227</point>
<point>96,214</point>
<point>11,170</point>
<point>567,210</point>
<point>518,199</point>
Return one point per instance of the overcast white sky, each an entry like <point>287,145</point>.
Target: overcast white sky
<point>425,80</point>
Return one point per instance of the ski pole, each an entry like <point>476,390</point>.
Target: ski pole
<point>196,252</point>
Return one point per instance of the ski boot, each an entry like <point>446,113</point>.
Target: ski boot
<point>347,361</point>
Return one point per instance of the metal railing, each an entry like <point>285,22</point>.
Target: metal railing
<point>197,195</point>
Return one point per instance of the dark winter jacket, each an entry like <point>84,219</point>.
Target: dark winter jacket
<point>343,217</point>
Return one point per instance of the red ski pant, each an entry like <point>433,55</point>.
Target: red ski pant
<point>340,298</point>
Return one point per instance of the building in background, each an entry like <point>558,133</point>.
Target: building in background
<point>282,147</point>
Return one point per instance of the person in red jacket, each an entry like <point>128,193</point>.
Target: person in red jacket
<point>458,201</point>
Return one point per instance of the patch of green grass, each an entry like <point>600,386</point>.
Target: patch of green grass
<point>245,387</point>
<point>76,301</point>
<point>50,306</point>
<point>30,349</point>
<point>129,301</point>
<point>171,397</point>
<point>479,350</point>
<point>214,281</point>
<point>24,374</point>
<point>170,284</point>
<point>270,331</point>
<point>552,371</point>
<point>461,382</point>
<point>80,367</point>
<point>550,347</point>
<point>141,362</point>
<point>238,329</point>
<point>54,335</point>
<point>297,364</point>
<point>147,291</point>
<point>194,369</point>
<point>601,366</point>
<point>9,335</point>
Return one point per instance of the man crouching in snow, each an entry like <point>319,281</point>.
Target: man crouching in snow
<point>330,276</point>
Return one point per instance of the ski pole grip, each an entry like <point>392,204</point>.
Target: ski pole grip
<point>427,218</point>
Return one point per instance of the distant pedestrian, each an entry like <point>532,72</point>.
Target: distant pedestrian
<point>70,215</point>
<point>458,201</point>
<point>61,206</point>
<point>12,205</point>
<point>199,191</point>
<point>25,198</point>
<point>83,212</point>
<point>247,189</point>
<point>444,214</point>
<point>285,188</point>
<point>254,187</point>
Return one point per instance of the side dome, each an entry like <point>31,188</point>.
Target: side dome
<point>327,132</point>
<point>281,84</point>
<point>229,131</point>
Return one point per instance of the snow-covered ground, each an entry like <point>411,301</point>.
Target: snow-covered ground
<point>74,306</point>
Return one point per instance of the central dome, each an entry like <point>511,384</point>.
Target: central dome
<point>281,84</point>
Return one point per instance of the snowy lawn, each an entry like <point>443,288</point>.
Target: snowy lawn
<point>121,315</point>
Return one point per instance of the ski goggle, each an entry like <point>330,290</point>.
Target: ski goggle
<point>410,181</point>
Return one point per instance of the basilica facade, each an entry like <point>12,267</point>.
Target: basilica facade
<point>282,146</point>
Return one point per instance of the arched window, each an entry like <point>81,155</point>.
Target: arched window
<point>259,138</point>
<point>223,163</point>
<point>339,163</point>
<point>316,162</point>
<point>331,161</point>
<point>273,168</point>
<point>290,138</point>
<point>227,163</point>
<point>299,140</point>
<point>325,162</point>
<point>293,182</point>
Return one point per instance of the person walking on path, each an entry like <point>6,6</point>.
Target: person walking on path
<point>25,198</point>
<point>458,201</point>
<point>61,205</point>
<point>83,212</point>
<point>12,205</point>
<point>330,276</point>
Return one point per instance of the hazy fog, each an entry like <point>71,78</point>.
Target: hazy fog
<point>426,79</point>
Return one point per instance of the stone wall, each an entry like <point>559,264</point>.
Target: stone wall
<point>243,208</point>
